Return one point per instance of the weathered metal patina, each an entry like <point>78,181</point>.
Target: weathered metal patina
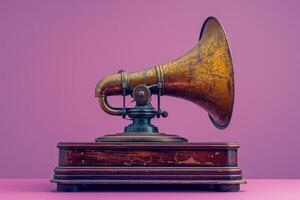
<point>204,76</point>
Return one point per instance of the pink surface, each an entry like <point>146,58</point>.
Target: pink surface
<point>23,189</point>
<point>52,53</point>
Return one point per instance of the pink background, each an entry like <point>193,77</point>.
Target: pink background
<point>52,53</point>
<point>37,189</point>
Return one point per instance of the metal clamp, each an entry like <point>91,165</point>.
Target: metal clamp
<point>124,85</point>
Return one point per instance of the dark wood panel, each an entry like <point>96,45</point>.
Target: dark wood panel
<point>147,177</point>
<point>146,145</point>
<point>147,158</point>
<point>148,170</point>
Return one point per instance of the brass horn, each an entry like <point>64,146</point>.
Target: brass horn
<point>204,76</point>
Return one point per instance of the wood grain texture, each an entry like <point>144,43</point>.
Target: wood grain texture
<point>147,163</point>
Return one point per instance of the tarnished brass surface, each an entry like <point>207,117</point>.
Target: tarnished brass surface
<point>204,76</point>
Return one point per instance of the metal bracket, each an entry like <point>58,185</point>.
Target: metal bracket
<point>160,86</point>
<point>125,84</point>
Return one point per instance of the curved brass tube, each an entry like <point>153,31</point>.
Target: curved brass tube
<point>107,108</point>
<point>110,85</point>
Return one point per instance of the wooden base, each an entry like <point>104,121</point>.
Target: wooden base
<point>147,165</point>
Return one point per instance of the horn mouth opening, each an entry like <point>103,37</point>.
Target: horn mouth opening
<point>215,22</point>
<point>217,124</point>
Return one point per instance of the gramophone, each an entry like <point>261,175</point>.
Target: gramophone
<point>141,155</point>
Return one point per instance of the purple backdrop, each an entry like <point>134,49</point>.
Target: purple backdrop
<point>52,53</point>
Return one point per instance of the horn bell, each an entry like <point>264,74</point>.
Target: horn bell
<point>204,75</point>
